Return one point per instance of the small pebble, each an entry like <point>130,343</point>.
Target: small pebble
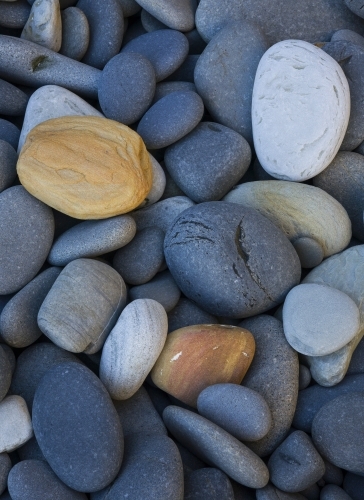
<point>176,14</point>
<point>208,481</point>
<point>161,288</point>
<point>8,159</point>
<point>13,100</point>
<point>44,25</point>
<point>16,424</point>
<point>75,33</point>
<point>5,466</point>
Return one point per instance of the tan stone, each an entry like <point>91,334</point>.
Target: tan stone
<point>87,167</point>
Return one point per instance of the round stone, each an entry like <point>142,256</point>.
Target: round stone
<point>75,33</point>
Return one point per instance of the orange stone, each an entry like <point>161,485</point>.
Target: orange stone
<point>198,356</point>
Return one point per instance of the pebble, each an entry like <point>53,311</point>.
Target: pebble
<point>129,7</point>
<point>237,409</point>
<point>5,466</point>
<point>162,288</point>
<point>333,492</point>
<point>10,356</point>
<point>44,25</point>
<point>238,241</point>
<point>13,100</point>
<point>353,485</point>
<point>75,33</point>
<point>186,71</point>
<point>333,474</point>
<point>304,377</point>
<point>212,444</point>
<point>176,14</point>
<point>16,424</point>
<point>26,232</point>
<point>127,87</point>
<point>18,319</point>
<point>158,183</point>
<point>5,374</point>
<point>227,88</point>
<point>8,159</point>
<point>308,138</point>
<point>335,431</point>
<point>270,492</point>
<point>208,481</point>
<point>164,88</point>
<point>14,14</point>
<point>165,49</point>
<point>32,479</point>
<point>170,119</point>
<point>9,133</point>
<point>140,260</point>
<point>355,6</point>
<point>348,36</point>
<point>208,161</point>
<point>69,404</point>
<point>91,239</point>
<point>187,313</point>
<point>151,23</point>
<point>132,347</point>
<point>82,306</point>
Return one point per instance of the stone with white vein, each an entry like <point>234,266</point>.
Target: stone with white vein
<point>300,110</point>
<point>44,25</point>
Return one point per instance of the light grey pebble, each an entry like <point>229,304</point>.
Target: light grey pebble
<point>16,424</point>
<point>44,25</point>
<point>75,33</point>
<point>161,288</point>
<point>8,159</point>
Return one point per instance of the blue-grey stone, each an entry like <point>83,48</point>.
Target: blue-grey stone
<point>161,288</point>
<point>151,23</point>
<point>129,7</point>
<point>186,72</point>
<point>187,313</point>
<point>14,14</point>
<point>355,6</point>
<point>75,33</point>
<point>208,483</point>
<point>9,133</point>
<point>5,466</point>
<point>13,100</point>
<point>333,492</point>
<point>162,213</point>
<point>304,377</point>
<point>5,377</point>
<point>8,159</point>
<point>348,36</point>
<point>176,14</point>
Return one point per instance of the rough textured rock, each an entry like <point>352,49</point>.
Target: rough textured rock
<point>44,25</point>
<point>16,424</point>
<point>75,33</point>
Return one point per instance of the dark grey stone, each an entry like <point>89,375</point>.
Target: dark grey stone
<point>171,190</point>
<point>30,451</point>
<point>304,377</point>
<point>162,288</point>
<point>130,7</point>
<point>276,361</point>
<point>312,492</point>
<point>333,474</point>
<point>140,260</point>
<point>32,364</point>
<point>208,483</point>
<point>310,400</point>
<point>187,313</point>
<point>295,464</point>
<point>333,492</point>
<point>127,87</point>
<point>134,30</point>
<point>69,406</point>
<point>237,409</point>
<point>26,234</point>
<point>208,161</point>
<point>13,100</point>
<point>189,460</point>
<point>5,466</point>
<point>5,375</point>
<point>62,3</point>
<point>18,321</point>
<point>8,159</point>
<point>355,6</point>
<point>151,23</point>
<point>250,265</point>
<point>34,479</point>
<point>176,14</point>
<point>354,485</point>
<point>165,49</point>
<point>164,88</point>
<point>186,72</point>
<point>62,223</point>
<point>10,355</point>
<point>348,36</point>
<point>161,214</point>
<point>14,14</point>
<point>75,33</point>
<point>196,43</point>
<point>225,72</point>
<point>9,132</point>
<point>106,23</point>
<point>270,492</point>
<point>159,398</point>
<point>357,361</point>
<point>31,64</point>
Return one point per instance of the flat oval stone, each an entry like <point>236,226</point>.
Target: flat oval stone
<point>13,100</point>
<point>336,429</point>
<point>63,164</point>
<point>243,247</point>
<point>300,110</point>
<point>75,33</point>
<point>82,306</point>
<point>217,447</point>
<point>170,119</point>
<point>211,480</point>
<point>26,233</point>
<point>69,404</point>
<point>161,288</point>
<point>187,313</point>
<point>132,347</point>
<point>198,356</point>
<point>5,375</point>
<point>16,424</point>
<point>176,14</point>
<point>91,239</point>
<point>14,14</point>
<point>8,159</point>
<point>162,213</point>
<point>44,25</point>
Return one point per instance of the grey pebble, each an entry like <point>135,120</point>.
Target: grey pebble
<point>129,7</point>
<point>162,288</point>
<point>164,88</point>
<point>9,133</point>
<point>333,474</point>
<point>208,483</point>
<point>75,33</point>
<point>30,451</point>
<point>189,460</point>
<point>14,14</point>
<point>176,14</point>
<point>140,260</point>
<point>304,377</point>
<point>5,467</point>
<point>348,36</point>
<point>92,239</point>
<point>355,6</point>
<point>333,492</point>
<point>354,485</point>
<point>357,361</point>
<point>151,23</point>
<point>26,233</point>
<point>270,492</point>
<point>8,159</point>
<point>134,30</point>
<point>13,100</point>
<point>10,355</point>
<point>5,374</point>
<point>187,313</point>
<point>186,72</point>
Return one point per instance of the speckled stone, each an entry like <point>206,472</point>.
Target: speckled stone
<point>187,313</point>
<point>44,25</point>
<point>13,100</point>
<point>176,14</point>
<point>5,375</point>
<point>5,466</point>
<point>8,159</point>
<point>14,14</point>
<point>75,33</point>
<point>16,424</point>
<point>355,6</point>
<point>161,288</point>
<point>9,133</point>
<point>209,482</point>
<point>162,213</point>
<point>130,7</point>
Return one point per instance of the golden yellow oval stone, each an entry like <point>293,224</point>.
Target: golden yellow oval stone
<point>87,167</point>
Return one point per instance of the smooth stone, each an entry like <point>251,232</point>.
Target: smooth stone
<point>170,119</point>
<point>5,466</point>
<point>208,161</point>
<point>315,222</point>
<point>333,492</point>
<point>217,447</point>
<point>165,49</point>
<point>343,179</point>
<point>335,431</point>
<point>295,464</point>
<point>243,248</point>
<point>164,88</point>
<point>133,347</point>
<point>198,356</point>
<point>63,3</point>
<point>355,6</point>
<point>189,460</point>
<point>138,415</point>
<point>161,214</point>
<point>5,375</point>
<point>227,88</point>
<point>186,71</point>
<point>14,14</point>
<point>69,404</point>
<point>75,33</point>
<point>162,288</point>
<point>196,43</point>
<point>63,163</point>
<point>10,357</point>
<point>298,145</point>
<point>8,159</point>
<point>187,313</point>
<point>237,409</point>
<point>82,306</point>
<point>270,492</point>
<point>276,361</point>
<point>171,189</point>
<point>208,481</point>
<point>44,25</point>
<point>151,23</point>
<point>32,364</point>
<point>140,260</point>
<point>158,184</point>
<point>32,479</point>
<point>312,399</point>
<point>30,451</point>
<point>52,101</point>
<point>353,485</point>
<point>9,133</point>
<point>106,23</point>
<point>357,361</point>
<point>16,424</point>
<point>18,320</point>
<point>129,7</point>
<point>318,319</point>
<point>126,87</point>
<point>304,377</point>
<point>176,14</point>
<point>333,474</point>
<point>26,232</point>
<point>348,36</point>
<point>133,30</point>
<point>13,100</point>
<point>92,239</point>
